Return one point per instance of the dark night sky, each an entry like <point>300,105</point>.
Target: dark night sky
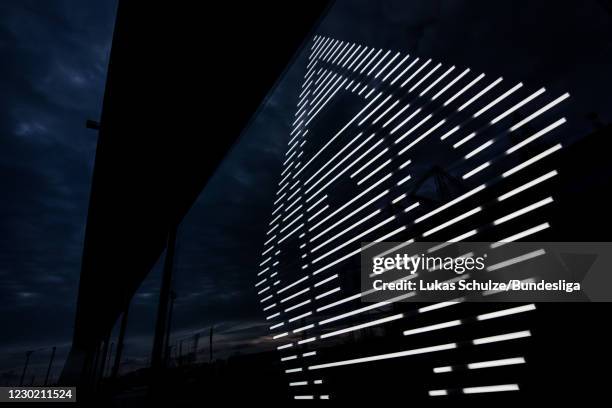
<point>53,70</point>
<point>54,57</point>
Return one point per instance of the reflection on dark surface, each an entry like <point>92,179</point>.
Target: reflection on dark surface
<point>564,47</point>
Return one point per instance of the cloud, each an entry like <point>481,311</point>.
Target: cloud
<point>53,74</point>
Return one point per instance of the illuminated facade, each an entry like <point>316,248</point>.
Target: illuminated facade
<point>387,146</point>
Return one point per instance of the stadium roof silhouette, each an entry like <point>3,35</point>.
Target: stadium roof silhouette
<point>176,99</point>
